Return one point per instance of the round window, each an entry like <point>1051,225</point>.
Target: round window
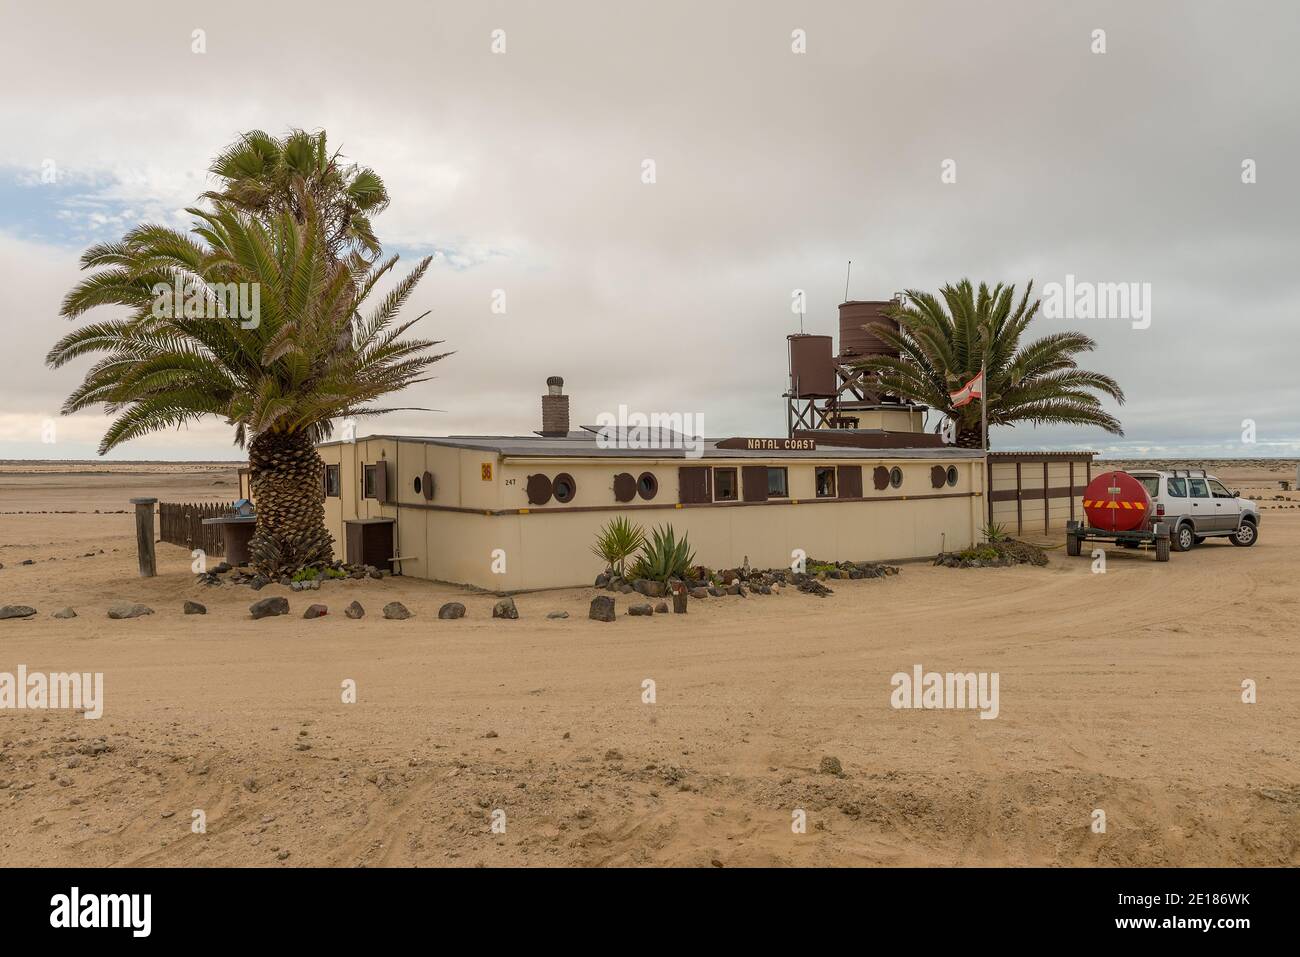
<point>647,486</point>
<point>565,487</point>
<point>418,485</point>
<point>896,476</point>
<point>952,475</point>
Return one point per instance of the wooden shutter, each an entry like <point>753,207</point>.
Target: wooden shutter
<point>753,483</point>
<point>426,486</point>
<point>624,487</point>
<point>539,489</point>
<point>693,485</point>
<point>849,481</point>
<point>938,476</point>
<point>880,477</point>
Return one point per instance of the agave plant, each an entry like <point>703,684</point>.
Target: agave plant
<point>310,356</point>
<point>663,556</point>
<point>617,542</point>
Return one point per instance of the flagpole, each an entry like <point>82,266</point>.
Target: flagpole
<point>984,402</point>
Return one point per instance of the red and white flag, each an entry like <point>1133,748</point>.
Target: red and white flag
<point>974,389</point>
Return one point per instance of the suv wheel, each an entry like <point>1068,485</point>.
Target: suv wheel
<point>1246,535</point>
<point>1183,538</point>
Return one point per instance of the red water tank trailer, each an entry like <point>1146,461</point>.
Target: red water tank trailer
<point>1117,502</point>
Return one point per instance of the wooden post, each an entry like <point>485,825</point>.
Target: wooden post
<point>144,535</point>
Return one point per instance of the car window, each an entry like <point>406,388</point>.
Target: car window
<point>1199,489</point>
<point>1177,487</point>
<point>1151,483</point>
<point>1218,490</point>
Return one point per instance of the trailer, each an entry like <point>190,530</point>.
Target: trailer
<point>1076,533</point>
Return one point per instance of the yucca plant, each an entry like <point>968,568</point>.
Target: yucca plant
<point>663,556</point>
<point>617,542</point>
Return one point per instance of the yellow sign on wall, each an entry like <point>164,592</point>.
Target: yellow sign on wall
<point>487,471</point>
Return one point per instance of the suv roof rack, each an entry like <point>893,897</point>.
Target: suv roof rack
<point>1188,473</point>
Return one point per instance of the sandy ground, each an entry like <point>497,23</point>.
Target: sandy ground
<point>1118,692</point>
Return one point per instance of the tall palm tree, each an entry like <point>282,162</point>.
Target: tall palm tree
<point>279,377</point>
<point>941,349</point>
<point>264,176</point>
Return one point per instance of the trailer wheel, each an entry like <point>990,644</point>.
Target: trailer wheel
<point>1162,549</point>
<point>1073,545</point>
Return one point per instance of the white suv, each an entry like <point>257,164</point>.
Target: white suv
<point>1197,506</point>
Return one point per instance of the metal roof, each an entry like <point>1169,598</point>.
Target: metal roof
<point>583,445</point>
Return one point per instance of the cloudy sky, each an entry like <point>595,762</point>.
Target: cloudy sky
<point>522,171</point>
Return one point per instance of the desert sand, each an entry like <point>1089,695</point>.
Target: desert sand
<point>1119,691</point>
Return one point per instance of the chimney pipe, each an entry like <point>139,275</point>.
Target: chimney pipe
<point>555,409</point>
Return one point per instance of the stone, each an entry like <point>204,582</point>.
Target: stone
<point>661,608</point>
<point>355,610</point>
<point>453,609</point>
<point>17,611</point>
<point>679,600</point>
<point>557,614</point>
<point>64,613</point>
<point>258,582</point>
<point>268,607</point>
<point>129,609</point>
<point>649,588</point>
<point>194,608</point>
<point>602,580</point>
<point>831,765</point>
<point>640,609</point>
<point>715,591</point>
<point>505,608</point>
<point>699,593</point>
<point>315,611</point>
<point>626,589</point>
<point>602,608</point>
<point>396,611</point>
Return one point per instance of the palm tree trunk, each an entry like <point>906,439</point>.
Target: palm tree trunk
<point>286,476</point>
<point>968,438</point>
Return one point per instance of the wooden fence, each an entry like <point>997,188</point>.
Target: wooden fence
<point>181,523</point>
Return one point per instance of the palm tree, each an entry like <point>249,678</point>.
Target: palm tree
<point>940,350</point>
<point>265,176</point>
<point>279,377</point>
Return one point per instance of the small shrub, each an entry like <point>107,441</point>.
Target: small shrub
<point>663,556</point>
<point>617,542</point>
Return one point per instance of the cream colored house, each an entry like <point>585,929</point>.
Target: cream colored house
<point>517,513</point>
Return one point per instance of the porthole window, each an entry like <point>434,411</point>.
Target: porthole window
<point>896,476</point>
<point>565,487</point>
<point>647,486</point>
<point>418,485</point>
<point>952,475</point>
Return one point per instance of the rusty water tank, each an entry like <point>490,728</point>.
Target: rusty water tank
<point>857,342</point>
<point>812,368</point>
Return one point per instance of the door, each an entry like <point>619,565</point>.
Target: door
<point>1227,510</point>
<point>1202,510</point>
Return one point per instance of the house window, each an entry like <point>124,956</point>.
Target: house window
<point>419,485</point>
<point>331,481</point>
<point>647,486</point>
<point>368,481</point>
<point>724,485</point>
<point>777,487</point>
<point>826,481</point>
<point>564,487</point>
<point>952,475</point>
<point>896,476</point>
